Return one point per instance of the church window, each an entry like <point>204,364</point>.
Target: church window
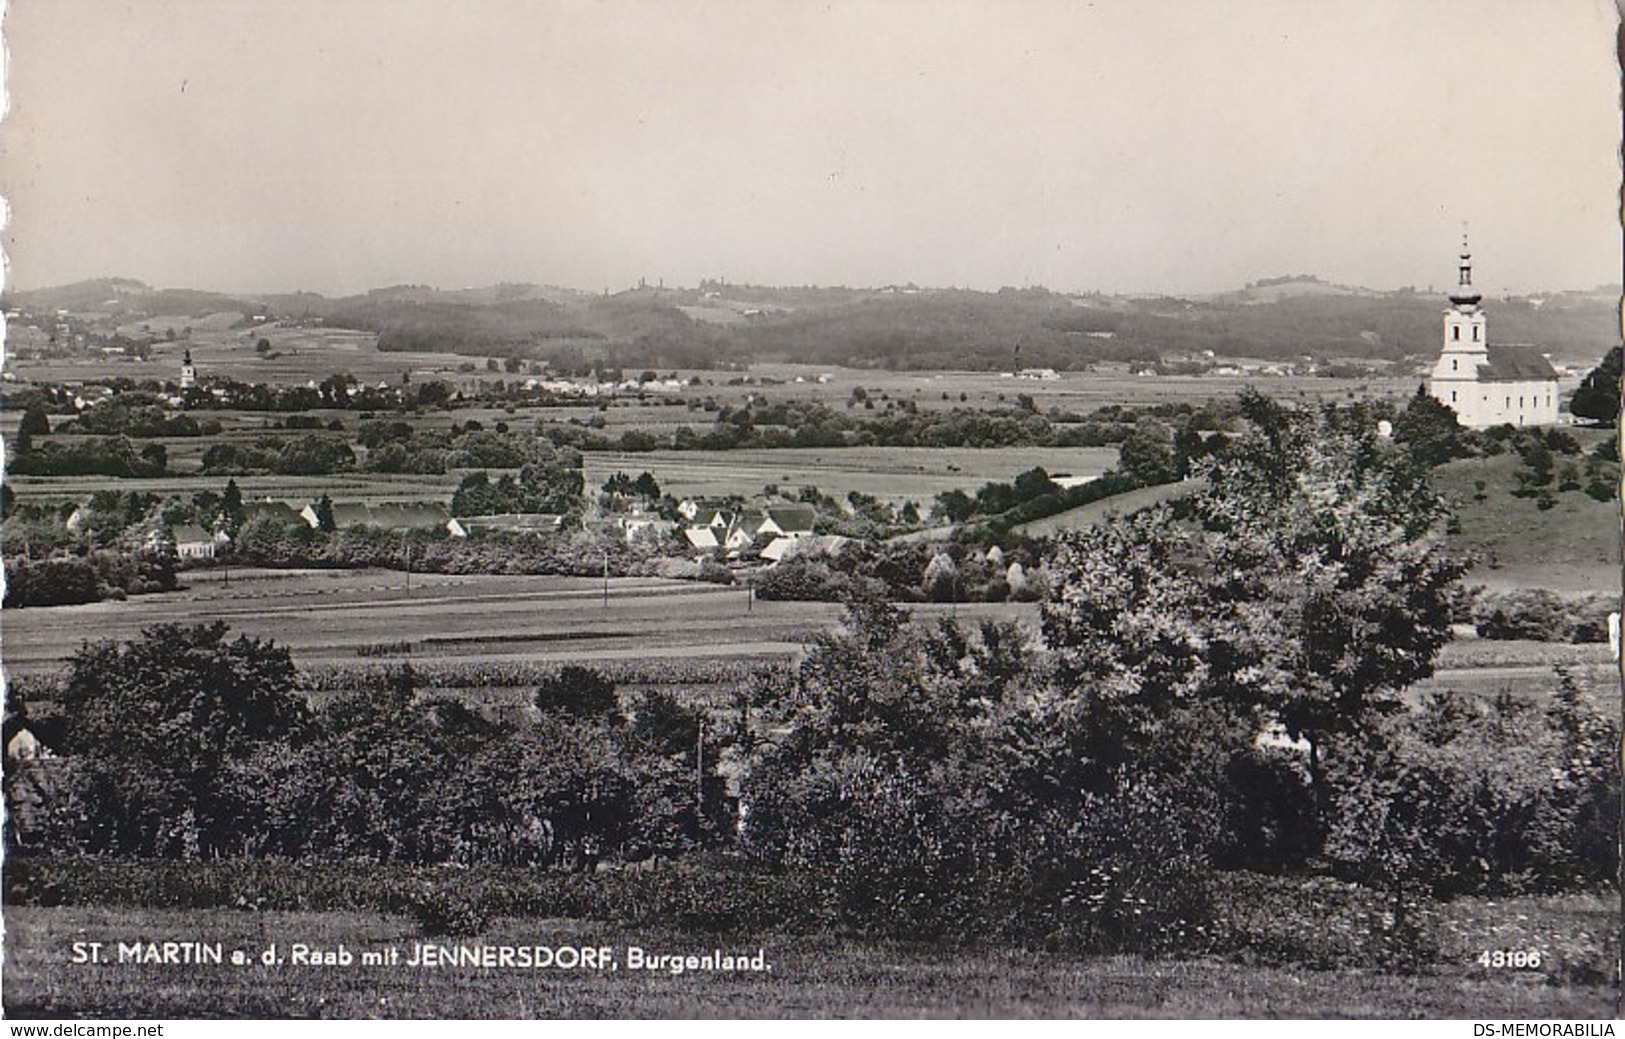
<point>1476,330</point>
<point>1453,363</point>
<point>1452,396</point>
<point>1455,332</point>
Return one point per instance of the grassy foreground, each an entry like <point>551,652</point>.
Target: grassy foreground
<point>810,977</point>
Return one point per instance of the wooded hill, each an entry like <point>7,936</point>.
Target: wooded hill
<point>716,325</point>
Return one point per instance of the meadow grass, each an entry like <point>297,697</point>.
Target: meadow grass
<point>1100,511</point>
<point>325,616</point>
<point>1572,547</point>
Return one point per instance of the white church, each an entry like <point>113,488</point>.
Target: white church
<point>1489,385</point>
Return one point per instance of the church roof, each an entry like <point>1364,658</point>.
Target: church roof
<point>1515,364</point>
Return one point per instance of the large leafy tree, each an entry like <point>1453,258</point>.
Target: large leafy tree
<point>156,724</point>
<point>1314,592</point>
<point>1330,542</point>
<point>900,778</point>
<point>1431,430</point>
<point>1597,399</point>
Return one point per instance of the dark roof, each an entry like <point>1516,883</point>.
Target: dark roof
<point>351,514</point>
<point>280,512</point>
<point>190,533</point>
<point>1515,364</point>
<point>792,517</point>
<point>393,517</point>
<point>513,521</point>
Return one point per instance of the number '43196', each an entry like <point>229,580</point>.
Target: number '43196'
<point>1517,959</point>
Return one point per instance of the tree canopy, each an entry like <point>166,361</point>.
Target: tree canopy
<point>156,722</point>
<point>1597,399</point>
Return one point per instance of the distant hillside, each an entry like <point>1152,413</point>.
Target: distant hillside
<point>940,329</point>
<point>1292,286</point>
<point>902,327</point>
<point>128,298</point>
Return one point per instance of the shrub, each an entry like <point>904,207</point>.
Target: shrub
<point>1462,795</point>
<point>1146,907</point>
<point>579,692</point>
<point>442,911</point>
<point>1542,616</point>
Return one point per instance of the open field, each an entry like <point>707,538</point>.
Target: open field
<point>1070,391</point>
<point>1097,512</point>
<point>303,354</point>
<point>892,474</point>
<point>324,616</point>
<point>1572,547</point>
<point>811,977</point>
<point>344,487</point>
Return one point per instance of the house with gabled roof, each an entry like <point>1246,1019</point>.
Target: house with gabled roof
<point>193,542</point>
<point>279,512</point>
<point>703,538</point>
<point>701,513</point>
<point>787,521</point>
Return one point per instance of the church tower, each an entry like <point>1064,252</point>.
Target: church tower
<point>1489,385</point>
<point>188,372</point>
<point>1466,339</point>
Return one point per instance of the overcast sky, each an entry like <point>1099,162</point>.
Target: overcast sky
<point>1119,145</point>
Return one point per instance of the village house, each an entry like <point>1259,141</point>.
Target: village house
<point>711,526</point>
<point>193,542</point>
<point>703,538</point>
<point>279,513</point>
<point>787,521</point>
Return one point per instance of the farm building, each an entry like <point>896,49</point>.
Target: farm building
<point>631,525</point>
<point>277,512</point>
<point>505,523</point>
<point>702,513</point>
<point>789,521</point>
<point>193,542</point>
<point>737,531</point>
<point>1489,384</point>
<point>391,517</point>
<point>702,538</point>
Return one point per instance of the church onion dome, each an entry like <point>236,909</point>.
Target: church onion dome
<point>1464,296</point>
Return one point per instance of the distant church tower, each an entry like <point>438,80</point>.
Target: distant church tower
<point>188,372</point>
<point>1466,342</point>
<point>1485,385</point>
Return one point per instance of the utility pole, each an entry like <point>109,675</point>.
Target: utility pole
<point>605,551</point>
<point>699,768</point>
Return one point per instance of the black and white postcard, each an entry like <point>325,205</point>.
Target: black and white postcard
<point>870,508</point>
